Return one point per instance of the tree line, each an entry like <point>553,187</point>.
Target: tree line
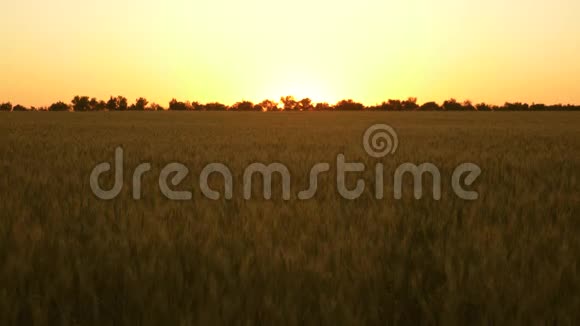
<point>287,103</point>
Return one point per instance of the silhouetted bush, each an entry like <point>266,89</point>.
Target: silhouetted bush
<point>175,105</point>
<point>195,106</point>
<point>7,107</point>
<point>244,106</point>
<point>392,105</point>
<point>20,108</point>
<point>59,106</point>
<point>538,107</point>
<point>215,107</point>
<point>322,107</point>
<point>516,106</point>
<point>410,104</point>
<point>156,107</point>
<point>467,106</point>
<point>452,105</point>
<point>348,105</point>
<point>483,107</point>
<point>430,106</point>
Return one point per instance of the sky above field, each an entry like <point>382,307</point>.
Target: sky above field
<point>217,50</point>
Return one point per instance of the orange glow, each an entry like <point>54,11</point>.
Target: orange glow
<point>226,51</point>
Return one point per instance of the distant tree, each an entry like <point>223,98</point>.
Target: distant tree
<point>348,105</point>
<point>215,106</point>
<point>322,107</point>
<point>81,103</point>
<point>96,105</point>
<point>175,105</point>
<point>111,104</point>
<point>381,107</point>
<point>195,105</point>
<point>397,105</point>
<point>93,103</point>
<point>141,104</point>
<point>101,106</point>
<point>468,106</point>
<point>268,105</point>
<point>452,105</point>
<point>59,106</point>
<point>20,108</point>
<point>118,103</point>
<point>430,106</point>
<point>567,107</point>
<point>7,107</point>
<point>243,106</point>
<point>538,107</point>
<point>289,102</point>
<point>483,107</point>
<point>394,105</point>
<point>410,104</point>
<point>122,104</point>
<point>305,105</point>
<point>156,107</point>
<point>515,106</point>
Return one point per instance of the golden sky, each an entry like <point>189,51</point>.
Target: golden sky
<point>218,50</point>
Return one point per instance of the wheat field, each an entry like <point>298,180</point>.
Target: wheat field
<point>69,258</point>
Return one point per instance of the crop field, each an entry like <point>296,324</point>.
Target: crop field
<point>68,257</point>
